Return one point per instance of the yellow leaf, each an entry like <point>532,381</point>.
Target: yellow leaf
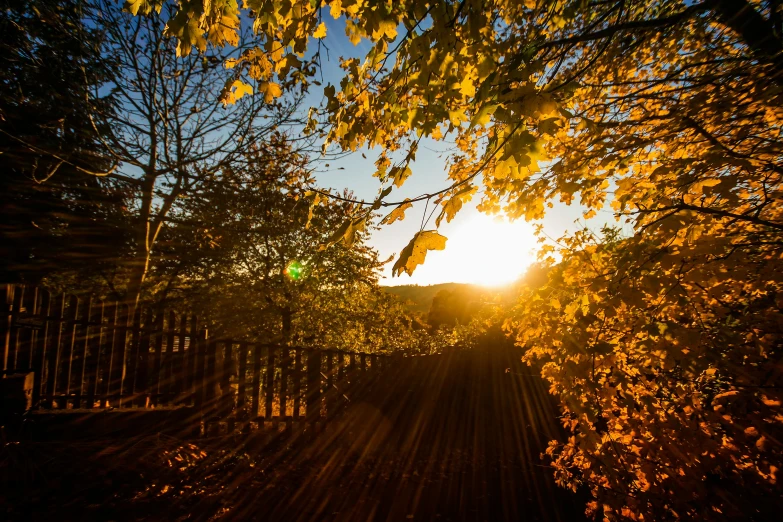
<point>144,7</point>
<point>400,175</point>
<point>467,88</point>
<point>398,213</point>
<point>336,8</point>
<point>454,204</point>
<point>234,91</point>
<point>320,31</point>
<point>271,90</point>
<point>457,117</point>
<point>353,32</point>
<point>484,114</point>
<point>414,254</point>
<point>387,28</point>
<point>187,32</point>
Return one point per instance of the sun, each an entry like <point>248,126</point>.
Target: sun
<point>490,251</point>
<point>482,250</point>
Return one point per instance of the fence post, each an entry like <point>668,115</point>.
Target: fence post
<point>79,353</point>
<point>191,361</point>
<point>168,364</point>
<point>313,385</point>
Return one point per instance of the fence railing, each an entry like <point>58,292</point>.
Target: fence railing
<point>88,354</point>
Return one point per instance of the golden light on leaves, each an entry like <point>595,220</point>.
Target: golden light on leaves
<point>143,7</point>
<point>270,90</point>
<point>235,91</point>
<point>414,254</point>
<point>320,31</point>
<point>678,127</point>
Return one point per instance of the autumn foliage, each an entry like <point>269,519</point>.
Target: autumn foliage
<point>662,344</point>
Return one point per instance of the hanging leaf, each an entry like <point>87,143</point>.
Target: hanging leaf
<point>413,255</point>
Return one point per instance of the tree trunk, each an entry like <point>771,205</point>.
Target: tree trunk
<point>138,273</point>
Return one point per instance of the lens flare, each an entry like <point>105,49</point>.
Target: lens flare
<point>294,270</point>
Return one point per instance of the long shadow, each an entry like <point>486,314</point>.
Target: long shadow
<point>454,437</point>
<point>447,437</point>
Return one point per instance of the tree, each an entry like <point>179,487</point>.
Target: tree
<point>179,126</point>
<point>246,249</point>
<point>670,112</point>
<point>664,360</point>
<point>60,210</point>
<point>517,83</point>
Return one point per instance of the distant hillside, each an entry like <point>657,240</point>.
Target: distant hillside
<point>460,299</point>
<point>419,298</point>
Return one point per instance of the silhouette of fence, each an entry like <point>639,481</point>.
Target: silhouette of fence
<point>89,354</point>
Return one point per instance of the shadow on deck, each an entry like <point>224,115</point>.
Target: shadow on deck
<point>437,438</point>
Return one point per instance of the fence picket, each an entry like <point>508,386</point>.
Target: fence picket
<point>199,348</point>
<point>179,364</point>
<point>167,361</point>
<point>226,399</point>
<point>313,385</point>
<point>210,376</point>
<point>119,322</point>
<point>26,339</point>
<point>88,354</point>
<point>13,341</point>
<point>257,362</point>
<point>269,393</point>
<point>40,347</point>
<point>297,384</point>
<point>140,387</point>
<point>331,396</point>
<point>192,359</point>
<point>284,364</point>
<point>156,355</point>
<point>53,353</point>
<point>5,323</point>
<point>241,384</point>
<point>93,358</point>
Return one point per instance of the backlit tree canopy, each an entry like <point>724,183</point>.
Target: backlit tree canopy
<point>670,106</point>
<point>665,347</point>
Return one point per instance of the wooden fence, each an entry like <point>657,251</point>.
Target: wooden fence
<point>89,354</point>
